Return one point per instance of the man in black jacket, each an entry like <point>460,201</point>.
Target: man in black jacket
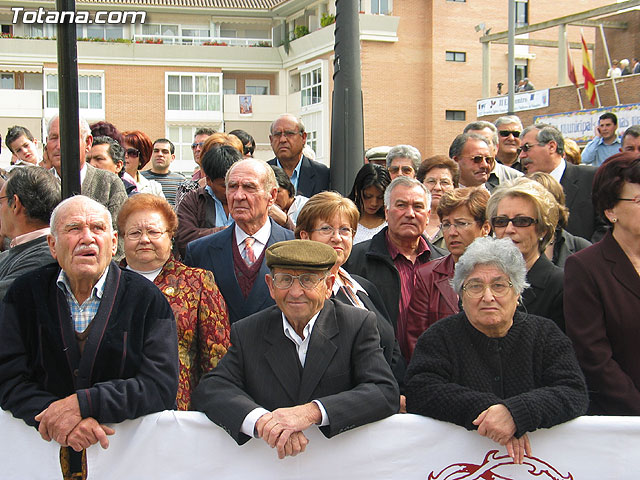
<point>389,260</point>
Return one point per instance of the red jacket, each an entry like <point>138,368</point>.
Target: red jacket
<point>433,298</point>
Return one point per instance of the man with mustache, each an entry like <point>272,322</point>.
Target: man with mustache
<point>104,339</point>
<point>392,256</point>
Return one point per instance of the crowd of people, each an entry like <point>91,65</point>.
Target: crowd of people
<point>494,287</point>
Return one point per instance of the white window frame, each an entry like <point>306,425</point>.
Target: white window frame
<point>13,80</point>
<point>189,117</point>
<point>320,135</point>
<point>90,114</point>
<point>308,69</point>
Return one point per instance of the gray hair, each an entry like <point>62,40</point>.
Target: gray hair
<point>409,182</point>
<point>461,140</point>
<point>633,131</point>
<point>81,200</point>
<point>269,181</point>
<point>481,125</point>
<point>37,189</point>
<point>115,151</point>
<point>546,133</point>
<point>298,121</point>
<point>85,130</point>
<point>501,253</point>
<point>507,120</point>
<point>405,151</point>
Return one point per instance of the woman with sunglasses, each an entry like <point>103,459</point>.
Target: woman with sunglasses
<point>602,292</point>
<point>137,153</point>
<point>525,211</point>
<point>491,367</point>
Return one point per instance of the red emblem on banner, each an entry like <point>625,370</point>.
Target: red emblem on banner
<point>490,469</point>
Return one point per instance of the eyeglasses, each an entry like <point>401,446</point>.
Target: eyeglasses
<point>528,146</point>
<point>459,225</point>
<point>506,133</point>
<point>478,159</point>
<point>432,182</point>
<point>195,145</point>
<point>635,200</point>
<point>328,231</point>
<point>151,234</point>
<point>518,221</point>
<point>3,197</point>
<point>286,133</point>
<point>307,281</point>
<point>476,289</point>
<point>132,152</point>
<point>406,169</point>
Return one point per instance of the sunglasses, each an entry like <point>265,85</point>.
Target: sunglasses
<point>528,146</point>
<point>195,145</point>
<point>479,159</point>
<point>132,152</point>
<point>506,133</point>
<point>517,221</point>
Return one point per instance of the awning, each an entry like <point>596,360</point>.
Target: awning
<point>21,68</point>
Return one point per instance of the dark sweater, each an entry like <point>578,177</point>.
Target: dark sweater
<point>457,372</point>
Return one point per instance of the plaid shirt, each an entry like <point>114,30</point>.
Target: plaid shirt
<point>82,314</point>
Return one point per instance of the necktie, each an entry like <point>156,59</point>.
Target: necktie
<point>249,254</point>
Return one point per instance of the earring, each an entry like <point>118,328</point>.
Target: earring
<point>614,220</point>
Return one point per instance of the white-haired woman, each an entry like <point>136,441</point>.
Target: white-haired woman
<point>490,367</point>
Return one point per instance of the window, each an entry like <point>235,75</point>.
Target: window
<point>151,30</point>
<point>229,86</point>
<point>257,87</point>
<point>182,137</point>
<point>90,91</point>
<point>381,7</point>
<point>522,71</point>
<point>194,35</point>
<point>311,87</point>
<point>457,115</point>
<point>107,32</point>
<point>456,56</point>
<point>38,30</point>
<point>522,13</point>
<point>7,81</point>
<point>194,92</point>
<point>460,1</point>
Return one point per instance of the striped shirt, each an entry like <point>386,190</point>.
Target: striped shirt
<point>170,182</point>
<point>82,315</point>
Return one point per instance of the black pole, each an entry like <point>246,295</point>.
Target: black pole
<point>347,129</point>
<point>69,106</point>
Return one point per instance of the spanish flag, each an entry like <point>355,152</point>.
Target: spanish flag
<point>587,73</point>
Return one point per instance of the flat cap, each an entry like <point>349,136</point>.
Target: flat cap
<point>377,153</point>
<point>301,254</point>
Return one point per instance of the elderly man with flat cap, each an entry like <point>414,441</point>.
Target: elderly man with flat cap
<point>306,361</point>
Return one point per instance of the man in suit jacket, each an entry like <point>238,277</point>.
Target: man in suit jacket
<point>236,254</point>
<point>102,186</point>
<point>288,138</point>
<point>306,361</point>
<point>542,151</point>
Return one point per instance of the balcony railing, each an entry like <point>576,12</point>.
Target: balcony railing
<point>187,40</point>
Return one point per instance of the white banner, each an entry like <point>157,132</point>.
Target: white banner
<point>522,101</point>
<point>580,126</point>
<point>178,445</point>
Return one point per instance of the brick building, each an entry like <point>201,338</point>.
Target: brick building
<point>190,62</point>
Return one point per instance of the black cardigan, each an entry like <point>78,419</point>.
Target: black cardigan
<point>129,366</point>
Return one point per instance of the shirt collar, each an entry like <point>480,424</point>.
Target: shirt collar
<point>261,235</point>
<point>296,171</point>
<point>343,274</point>
<point>291,333</point>
<point>27,237</point>
<point>222,219</point>
<point>394,252</point>
<point>559,170</point>
<point>97,290</point>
